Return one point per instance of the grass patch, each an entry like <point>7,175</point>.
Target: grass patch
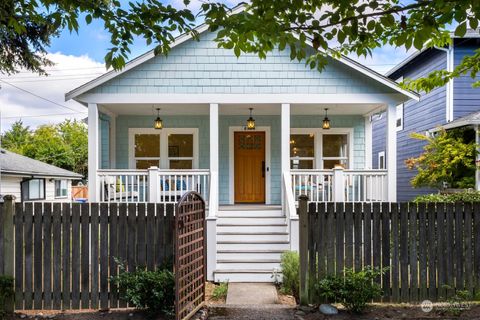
<point>220,291</point>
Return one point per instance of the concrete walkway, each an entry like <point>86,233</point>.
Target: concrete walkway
<point>251,294</point>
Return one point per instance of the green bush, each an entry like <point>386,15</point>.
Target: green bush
<point>290,264</point>
<point>6,293</point>
<point>151,291</point>
<point>220,291</point>
<point>466,196</point>
<point>354,291</point>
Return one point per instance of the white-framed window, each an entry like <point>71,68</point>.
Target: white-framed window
<point>33,189</point>
<point>399,121</point>
<point>320,149</point>
<point>170,148</point>
<point>61,189</point>
<point>381,160</point>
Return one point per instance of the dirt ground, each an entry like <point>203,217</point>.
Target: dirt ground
<point>210,286</point>
<point>118,314</point>
<point>398,311</point>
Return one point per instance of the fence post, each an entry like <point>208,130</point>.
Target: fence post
<point>8,253</point>
<point>153,184</point>
<point>338,184</point>
<point>303,253</point>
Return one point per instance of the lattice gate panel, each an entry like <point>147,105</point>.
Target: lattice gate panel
<point>190,255</point>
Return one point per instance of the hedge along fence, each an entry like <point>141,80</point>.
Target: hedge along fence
<point>421,248</point>
<point>64,254</point>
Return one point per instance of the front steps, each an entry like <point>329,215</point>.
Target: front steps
<point>250,241</point>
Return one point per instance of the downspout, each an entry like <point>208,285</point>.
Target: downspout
<point>449,88</point>
<point>477,159</point>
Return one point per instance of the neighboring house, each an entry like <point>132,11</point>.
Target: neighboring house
<point>250,179</point>
<point>436,108</point>
<point>32,180</point>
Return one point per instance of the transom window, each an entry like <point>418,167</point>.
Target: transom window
<point>319,149</point>
<point>173,148</point>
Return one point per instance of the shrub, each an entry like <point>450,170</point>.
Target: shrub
<point>290,264</point>
<point>354,291</point>
<point>220,291</point>
<point>151,291</point>
<point>466,196</point>
<point>6,293</point>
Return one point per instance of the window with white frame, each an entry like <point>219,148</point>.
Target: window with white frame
<point>61,188</point>
<point>381,160</point>
<point>322,149</point>
<point>399,122</point>
<point>33,189</point>
<point>302,151</point>
<point>172,148</point>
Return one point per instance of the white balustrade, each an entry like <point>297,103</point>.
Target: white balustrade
<point>340,185</point>
<point>152,185</point>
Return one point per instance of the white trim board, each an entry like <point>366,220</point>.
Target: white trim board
<point>164,163</point>
<point>202,28</point>
<point>231,162</point>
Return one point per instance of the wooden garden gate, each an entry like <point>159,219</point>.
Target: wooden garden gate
<point>190,255</point>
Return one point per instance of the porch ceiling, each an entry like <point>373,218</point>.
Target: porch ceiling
<point>241,109</point>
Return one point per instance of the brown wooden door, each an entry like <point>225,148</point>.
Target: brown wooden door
<point>249,159</point>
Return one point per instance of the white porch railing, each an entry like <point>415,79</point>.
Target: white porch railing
<point>340,185</point>
<point>152,185</point>
<point>316,184</point>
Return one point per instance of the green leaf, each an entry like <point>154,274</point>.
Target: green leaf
<point>88,18</point>
<point>461,29</point>
<point>236,50</point>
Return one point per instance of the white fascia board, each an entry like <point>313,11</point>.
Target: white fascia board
<point>356,98</point>
<point>456,124</point>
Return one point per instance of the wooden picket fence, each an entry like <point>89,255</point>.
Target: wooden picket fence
<point>426,251</point>
<point>64,254</point>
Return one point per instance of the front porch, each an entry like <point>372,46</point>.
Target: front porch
<point>198,150</point>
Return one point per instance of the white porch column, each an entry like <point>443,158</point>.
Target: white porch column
<point>213,197</point>
<point>338,184</point>
<point>113,142</point>
<point>285,138</point>
<point>368,142</point>
<point>392,152</point>
<point>93,153</point>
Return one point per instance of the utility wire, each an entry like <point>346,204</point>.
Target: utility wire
<point>40,97</point>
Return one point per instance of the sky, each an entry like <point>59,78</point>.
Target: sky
<point>78,59</point>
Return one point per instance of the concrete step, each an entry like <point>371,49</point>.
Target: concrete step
<point>253,245</point>
<point>248,220</point>
<point>251,228</point>
<point>246,275</point>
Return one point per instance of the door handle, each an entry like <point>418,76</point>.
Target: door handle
<point>263,169</point>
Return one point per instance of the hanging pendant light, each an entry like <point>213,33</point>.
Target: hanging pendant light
<point>250,121</point>
<point>158,123</point>
<point>326,121</point>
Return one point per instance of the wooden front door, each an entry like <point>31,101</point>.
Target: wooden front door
<point>249,159</point>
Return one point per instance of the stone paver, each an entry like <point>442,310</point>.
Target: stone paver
<point>251,294</point>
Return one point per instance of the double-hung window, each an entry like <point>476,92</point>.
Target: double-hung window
<point>33,189</point>
<point>61,189</point>
<point>172,148</point>
<point>320,149</point>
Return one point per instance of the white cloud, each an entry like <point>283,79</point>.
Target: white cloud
<point>68,73</point>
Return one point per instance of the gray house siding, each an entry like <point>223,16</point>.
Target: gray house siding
<point>466,98</point>
<point>420,116</point>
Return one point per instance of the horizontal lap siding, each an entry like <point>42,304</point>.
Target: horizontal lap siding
<point>466,98</point>
<point>200,67</point>
<point>379,137</point>
<point>420,116</point>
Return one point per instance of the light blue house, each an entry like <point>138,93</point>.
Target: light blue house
<point>250,135</point>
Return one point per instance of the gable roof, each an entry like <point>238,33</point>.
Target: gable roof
<point>204,27</point>
<point>15,164</point>
<point>470,34</point>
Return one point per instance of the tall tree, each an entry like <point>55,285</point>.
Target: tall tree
<point>17,137</point>
<point>64,145</point>
<point>333,27</point>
